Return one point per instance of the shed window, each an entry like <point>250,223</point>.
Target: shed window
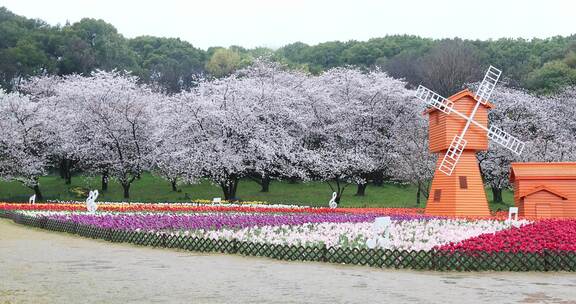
<point>437,195</point>
<point>463,182</point>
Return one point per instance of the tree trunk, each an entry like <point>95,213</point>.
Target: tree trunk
<point>68,171</point>
<point>418,193</point>
<point>361,190</point>
<point>38,193</point>
<point>104,181</point>
<point>61,169</point>
<point>173,184</point>
<point>265,183</point>
<point>293,180</point>
<point>65,170</point>
<point>339,189</point>
<point>229,189</point>
<point>126,187</point>
<point>496,194</point>
<point>378,179</point>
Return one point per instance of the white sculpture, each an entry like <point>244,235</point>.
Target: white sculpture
<point>91,201</point>
<point>32,199</point>
<point>371,243</point>
<point>380,224</point>
<point>332,203</point>
<point>513,211</point>
<point>216,200</point>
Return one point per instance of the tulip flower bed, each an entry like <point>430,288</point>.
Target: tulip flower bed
<point>349,230</point>
<point>319,234</point>
<point>405,233</point>
<point>550,235</point>
<point>154,222</point>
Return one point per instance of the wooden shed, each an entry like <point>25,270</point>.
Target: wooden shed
<point>545,190</point>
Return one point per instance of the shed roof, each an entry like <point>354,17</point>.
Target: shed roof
<point>458,96</point>
<point>543,170</point>
<point>544,188</point>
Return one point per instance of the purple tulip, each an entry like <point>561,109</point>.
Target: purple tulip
<point>214,221</point>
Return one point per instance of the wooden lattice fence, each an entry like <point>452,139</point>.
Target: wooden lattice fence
<point>382,258</point>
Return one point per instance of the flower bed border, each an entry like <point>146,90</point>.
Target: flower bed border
<point>381,258</point>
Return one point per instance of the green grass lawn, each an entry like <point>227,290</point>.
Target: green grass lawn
<point>154,189</point>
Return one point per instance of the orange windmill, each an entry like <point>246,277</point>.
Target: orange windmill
<point>458,129</point>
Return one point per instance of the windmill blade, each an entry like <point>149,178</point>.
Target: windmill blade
<point>452,155</point>
<point>487,86</point>
<point>506,140</point>
<point>433,99</point>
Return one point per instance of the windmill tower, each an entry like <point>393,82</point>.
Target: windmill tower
<point>458,129</point>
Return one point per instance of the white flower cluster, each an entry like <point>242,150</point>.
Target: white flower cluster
<point>404,235</point>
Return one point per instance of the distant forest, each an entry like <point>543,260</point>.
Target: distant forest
<point>30,47</point>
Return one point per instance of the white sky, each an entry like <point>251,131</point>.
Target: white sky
<point>274,23</point>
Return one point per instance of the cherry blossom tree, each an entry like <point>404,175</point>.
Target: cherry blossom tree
<point>349,116</point>
<point>168,159</point>
<point>558,140</point>
<point>216,133</point>
<point>524,116</point>
<point>239,126</point>
<point>111,125</point>
<point>274,95</point>
<point>44,90</point>
<point>413,162</point>
<point>25,141</point>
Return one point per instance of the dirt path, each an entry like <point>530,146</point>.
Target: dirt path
<point>37,266</point>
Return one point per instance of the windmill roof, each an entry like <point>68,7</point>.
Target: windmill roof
<point>544,188</point>
<point>543,170</point>
<point>464,93</point>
